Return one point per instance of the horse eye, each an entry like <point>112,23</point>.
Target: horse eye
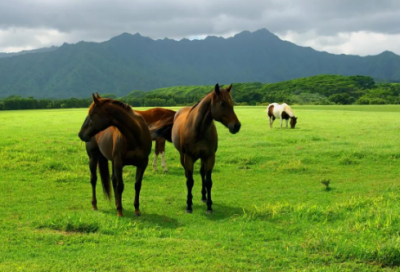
<point>222,104</point>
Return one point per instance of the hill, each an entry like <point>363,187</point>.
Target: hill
<point>321,89</point>
<point>316,90</point>
<point>133,62</point>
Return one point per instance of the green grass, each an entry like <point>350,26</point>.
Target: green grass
<point>271,211</point>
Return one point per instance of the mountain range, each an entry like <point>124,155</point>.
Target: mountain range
<point>132,62</point>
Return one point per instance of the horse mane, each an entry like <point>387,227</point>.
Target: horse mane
<point>121,104</point>
<point>195,105</point>
<point>118,103</point>
<point>225,96</point>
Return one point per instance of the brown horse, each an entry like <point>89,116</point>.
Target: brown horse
<point>112,131</point>
<point>195,137</point>
<point>151,117</point>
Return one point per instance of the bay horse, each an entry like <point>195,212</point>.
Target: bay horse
<point>151,116</point>
<point>282,112</point>
<point>194,135</point>
<point>113,132</point>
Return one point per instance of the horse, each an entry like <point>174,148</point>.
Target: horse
<point>113,132</point>
<point>151,116</point>
<point>282,111</point>
<point>194,135</point>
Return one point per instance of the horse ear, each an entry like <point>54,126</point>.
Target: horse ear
<point>97,95</point>
<point>229,88</point>
<point>216,89</point>
<point>95,99</point>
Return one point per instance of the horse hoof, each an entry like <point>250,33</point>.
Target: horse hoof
<point>204,200</point>
<point>209,212</point>
<point>94,208</point>
<point>119,214</point>
<point>189,211</point>
<point>138,213</point>
<point>165,171</point>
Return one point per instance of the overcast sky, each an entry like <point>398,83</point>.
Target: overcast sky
<point>360,27</point>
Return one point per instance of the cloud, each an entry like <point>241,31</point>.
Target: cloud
<point>331,25</point>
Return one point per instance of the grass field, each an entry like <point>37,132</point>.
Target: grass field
<point>271,211</point>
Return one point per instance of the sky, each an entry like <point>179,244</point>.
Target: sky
<point>357,27</point>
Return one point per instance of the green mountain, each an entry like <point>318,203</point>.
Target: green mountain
<point>133,62</point>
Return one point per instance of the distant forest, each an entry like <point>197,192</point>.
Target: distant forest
<point>315,90</point>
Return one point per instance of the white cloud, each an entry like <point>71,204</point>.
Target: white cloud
<point>337,26</point>
<point>356,43</point>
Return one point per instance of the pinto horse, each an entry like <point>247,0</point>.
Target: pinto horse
<point>112,131</point>
<point>152,116</point>
<point>194,135</point>
<point>282,111</point>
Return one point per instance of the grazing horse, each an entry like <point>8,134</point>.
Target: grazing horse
<point>152,116</point>
<point>282,111</point>
<point>194,135</point>
<point>112,131</point>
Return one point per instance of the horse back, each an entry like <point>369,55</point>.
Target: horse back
<point>155,114</point>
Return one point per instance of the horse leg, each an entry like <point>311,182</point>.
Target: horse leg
<point>118,184</point>
<point>188,164</point>
<point>182,157</point>
<point>156,152</point>
<point>93,160</point>
<point>287,122</point>
<point>208,167</point>
<point>163,164</point>
<point>114,183</point>
<point>270,122</point>
<point>138,185</point>
<point>162,151</point>
<point>203,183</point>
<point>281,122</point>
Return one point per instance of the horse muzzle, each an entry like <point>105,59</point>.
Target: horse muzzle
<point>234,128</point>
<point>84,137</point>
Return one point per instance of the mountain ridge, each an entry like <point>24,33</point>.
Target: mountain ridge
<point>134,62</point>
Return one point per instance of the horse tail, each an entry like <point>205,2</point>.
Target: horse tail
<point>105,176</point>
<point>162,129</point>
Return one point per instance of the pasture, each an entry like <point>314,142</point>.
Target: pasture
<point>271,211</point>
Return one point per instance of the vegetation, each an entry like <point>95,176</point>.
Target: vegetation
<point>317,90</point>
<point>272,212</point>
<point>132,62</point>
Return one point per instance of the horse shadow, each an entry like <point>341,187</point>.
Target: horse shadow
<point>220,211</point>
<point>148,219</point>
<point>180,172</point>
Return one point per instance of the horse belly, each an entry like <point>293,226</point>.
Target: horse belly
<point>135,157</point>
<point>277,113</point>
<point>200,149</point>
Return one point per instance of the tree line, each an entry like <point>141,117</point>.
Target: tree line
<point>317,90</point>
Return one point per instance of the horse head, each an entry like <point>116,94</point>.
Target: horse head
<point>293,121</point>
<point>222,108</point>
<point>97,119</point>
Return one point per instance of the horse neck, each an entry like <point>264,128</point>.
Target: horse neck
<point>201,114</point>
<point>126,122</point>
<point>289,111</point>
